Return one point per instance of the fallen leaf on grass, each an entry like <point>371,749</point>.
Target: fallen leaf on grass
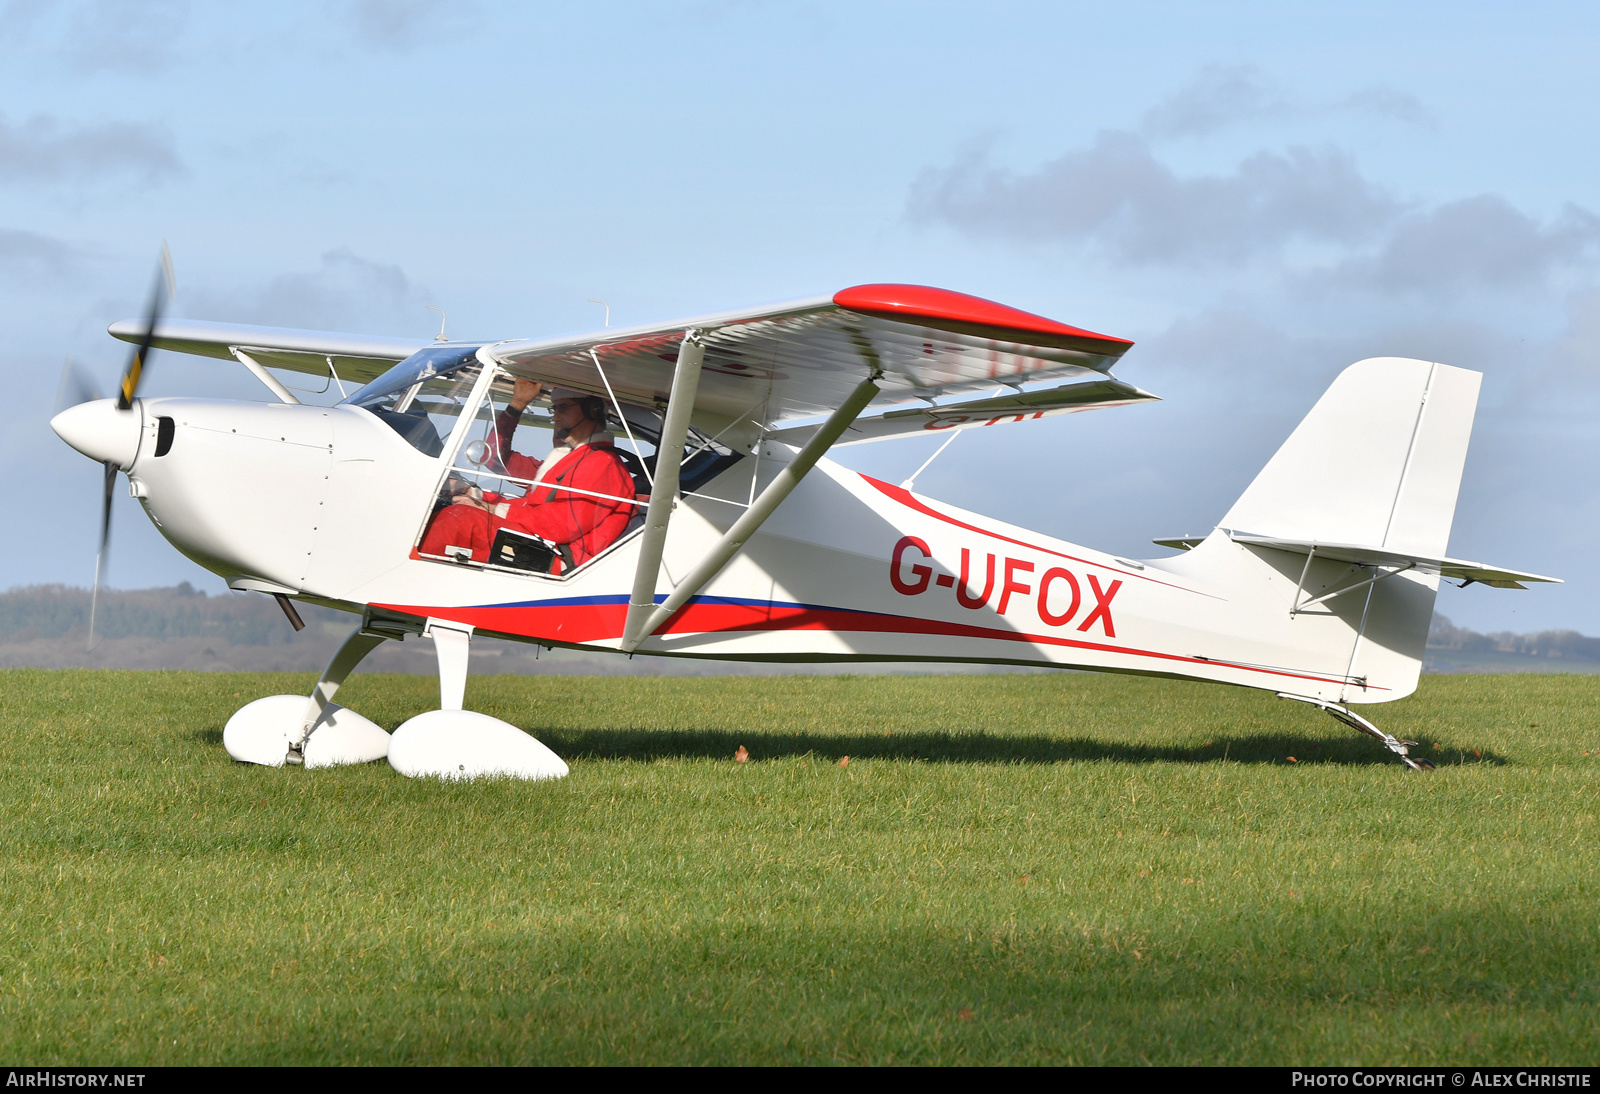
<point>741,755</point>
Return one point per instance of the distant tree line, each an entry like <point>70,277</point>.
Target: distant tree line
<point>1554,645</point>
<point>251,619</point>
<point>181,611</point>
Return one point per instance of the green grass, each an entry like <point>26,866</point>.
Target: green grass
<point>1011,869</point>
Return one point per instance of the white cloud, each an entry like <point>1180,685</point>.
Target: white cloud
<point>1387,102</point>
<point>128,36</point>
<point>42,149</point>
<point>1117,197</point>
<point>345,292</point>
<point>29,255</point>
<point>1478,242</point>
<point>1219,96</point>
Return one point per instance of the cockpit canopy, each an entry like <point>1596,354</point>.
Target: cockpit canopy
<point>434,380</point>
<point>422,397</point>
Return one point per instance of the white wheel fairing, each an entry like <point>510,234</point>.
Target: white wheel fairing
<point>260,733</point>
<point>341,736</point>
<point>463,744</point>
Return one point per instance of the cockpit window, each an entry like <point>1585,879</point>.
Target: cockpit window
<point>496,483</point>
<point>421,397</point>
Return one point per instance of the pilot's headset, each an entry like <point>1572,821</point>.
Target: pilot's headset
<point>592,406</point>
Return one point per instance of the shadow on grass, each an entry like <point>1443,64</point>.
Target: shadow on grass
<point>973,748</point>
<point>1273,748</point>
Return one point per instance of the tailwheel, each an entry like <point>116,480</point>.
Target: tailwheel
<point>1356,722</point>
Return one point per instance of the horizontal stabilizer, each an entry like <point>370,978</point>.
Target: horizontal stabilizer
<point>1357,555</point>
<point>1022,406</point>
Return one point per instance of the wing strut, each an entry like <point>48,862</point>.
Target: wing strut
<point>743,528</point>
<point>664,490</point>
<point>283,393</point>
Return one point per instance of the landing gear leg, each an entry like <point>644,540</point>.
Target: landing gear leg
<point>453,645</point>
<point>355,649</point>
<point>1361,725</point>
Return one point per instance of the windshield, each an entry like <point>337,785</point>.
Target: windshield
<point>425,364</point>
<point>430,384</point>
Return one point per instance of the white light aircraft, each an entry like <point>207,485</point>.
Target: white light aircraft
<point>729,534</point>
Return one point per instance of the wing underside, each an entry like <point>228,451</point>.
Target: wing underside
<point>357,358</point>
<point>767,367</point>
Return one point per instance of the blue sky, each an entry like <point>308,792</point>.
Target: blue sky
<point>1258,195</point>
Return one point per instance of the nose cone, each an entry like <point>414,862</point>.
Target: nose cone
<point>100,431</point>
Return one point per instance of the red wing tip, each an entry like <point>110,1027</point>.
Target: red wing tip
<point>941,306</point>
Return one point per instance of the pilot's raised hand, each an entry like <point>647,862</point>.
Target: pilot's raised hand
<point>525,392</point>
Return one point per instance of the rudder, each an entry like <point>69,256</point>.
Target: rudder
<point>1377,462</point>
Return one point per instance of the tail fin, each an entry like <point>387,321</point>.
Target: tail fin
<point>1376,464</point>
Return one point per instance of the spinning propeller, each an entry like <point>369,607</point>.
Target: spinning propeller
<point>78,387</point>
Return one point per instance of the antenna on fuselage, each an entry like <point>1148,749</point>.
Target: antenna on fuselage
<point>604,305</point>
<point>442,317</point>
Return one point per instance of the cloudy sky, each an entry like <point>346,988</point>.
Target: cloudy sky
<point>1258,195</point>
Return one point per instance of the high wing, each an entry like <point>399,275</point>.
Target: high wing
<point>1357,555</point>
<point>764,366</point>
<point>360,358</point>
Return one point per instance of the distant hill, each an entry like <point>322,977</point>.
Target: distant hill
<point>45,626</point>
<point>1456,649</point>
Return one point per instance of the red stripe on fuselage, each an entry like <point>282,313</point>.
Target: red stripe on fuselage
<point>602,623</point>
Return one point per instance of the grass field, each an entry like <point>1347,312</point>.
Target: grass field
<point>1011,869</point>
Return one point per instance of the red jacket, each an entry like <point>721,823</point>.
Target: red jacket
<point>587,525</point>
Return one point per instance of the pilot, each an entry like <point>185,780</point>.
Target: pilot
<point>583,459</point>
